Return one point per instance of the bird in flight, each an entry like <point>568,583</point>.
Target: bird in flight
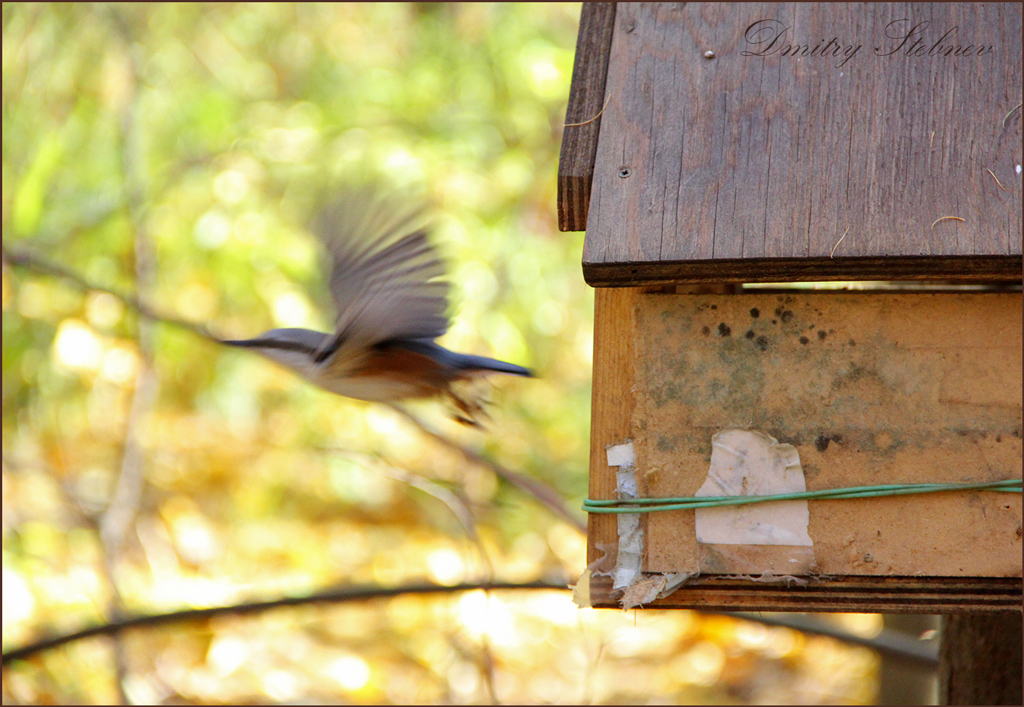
<point>387,284</point>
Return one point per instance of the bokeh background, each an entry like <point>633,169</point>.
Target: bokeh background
<point>178,152</point>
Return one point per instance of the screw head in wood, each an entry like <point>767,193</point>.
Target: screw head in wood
<point>624,172</point>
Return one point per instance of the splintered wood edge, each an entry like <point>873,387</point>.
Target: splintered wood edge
<point>582,116</point>
<point>890,595</point>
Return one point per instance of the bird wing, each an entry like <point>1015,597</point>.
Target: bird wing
<point>385,274</point>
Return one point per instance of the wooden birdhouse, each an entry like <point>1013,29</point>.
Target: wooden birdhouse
<point>803,222</point>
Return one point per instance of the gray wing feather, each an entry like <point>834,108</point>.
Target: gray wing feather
<point>385,274</point>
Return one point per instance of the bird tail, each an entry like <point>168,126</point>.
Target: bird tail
<point>460,361</point>
<point>469,362</point>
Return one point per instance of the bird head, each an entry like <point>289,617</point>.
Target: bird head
<point>293,348</point>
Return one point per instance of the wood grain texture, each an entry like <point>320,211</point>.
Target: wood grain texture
<point>754,167</point>
<point>611,405</point>
<point>890,595</point>
<point>980,658</point>
<point>582,116</point>
<point>871,388</point>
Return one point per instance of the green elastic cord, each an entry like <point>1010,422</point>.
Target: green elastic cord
<point>650,505</point>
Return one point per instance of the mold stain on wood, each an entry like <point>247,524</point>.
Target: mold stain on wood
<point>867,394</point>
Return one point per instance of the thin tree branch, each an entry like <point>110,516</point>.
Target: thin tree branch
<point>25,258</point>
<point>895,644</point>
<point>542,492</point>
<point>455,503</point>
<point>332,596</point>
<point>890,643</point>
<point>539,490</point>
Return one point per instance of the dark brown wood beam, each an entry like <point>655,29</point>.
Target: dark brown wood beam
<point>582,116</point>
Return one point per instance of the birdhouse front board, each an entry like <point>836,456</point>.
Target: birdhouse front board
<point>840,389</point>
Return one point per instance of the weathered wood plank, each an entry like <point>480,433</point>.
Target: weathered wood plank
<point>994,268</point>
<point>582,116</point>
<point>612,403</point>
<point>808,167</point>
<point>980,659</point>
<point>870,388</point>
<point>891,595</point>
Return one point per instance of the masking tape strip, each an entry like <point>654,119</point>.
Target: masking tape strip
<point>631,539</point>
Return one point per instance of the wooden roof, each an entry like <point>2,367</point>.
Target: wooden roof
<point>701,145</point>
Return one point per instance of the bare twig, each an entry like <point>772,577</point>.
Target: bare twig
<point>72,504</point>
<point>541,491</point>
<point>889,642</point>
<point>25,258</point>
<point>456,504</point>
<point>460,509</point>
<point>331,596</point>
